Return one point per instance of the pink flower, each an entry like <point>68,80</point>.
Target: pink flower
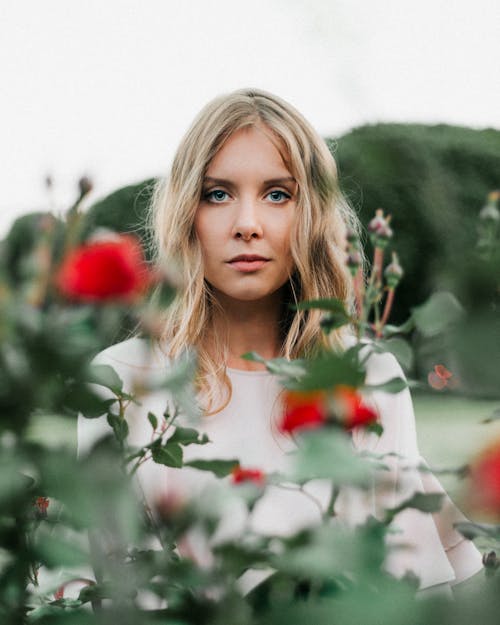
<point>439,378</point>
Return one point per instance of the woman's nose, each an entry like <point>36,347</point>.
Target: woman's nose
<point>247,223</point>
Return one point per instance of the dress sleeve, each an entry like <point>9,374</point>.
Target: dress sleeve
<point>425,544</point>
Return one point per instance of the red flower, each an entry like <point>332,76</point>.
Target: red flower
<point>303,410</point>
<point>439,378</point>
<point>114,269</point>
<point>41,505</point>
<point>484,491</point>
<point>239,475</point>
<point>353,412</point>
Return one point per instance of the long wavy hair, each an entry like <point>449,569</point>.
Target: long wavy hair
<point>317,242</point>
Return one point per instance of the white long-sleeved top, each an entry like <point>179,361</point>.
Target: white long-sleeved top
<point>245,430</point>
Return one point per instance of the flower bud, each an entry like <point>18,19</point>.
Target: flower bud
<point>354,260</point>
<point>393,272</point>
<point>40,508</point>
<point>379,229</point>
<point>352,236</point>
<point>85,185</point>
<point>490,560</point>
<point>491,563</point>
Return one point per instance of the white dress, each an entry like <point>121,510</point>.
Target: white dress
<point>438,554</point>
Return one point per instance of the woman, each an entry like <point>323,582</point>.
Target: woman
<point>253,216</point>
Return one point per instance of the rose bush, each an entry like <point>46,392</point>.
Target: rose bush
<point>60,514</point>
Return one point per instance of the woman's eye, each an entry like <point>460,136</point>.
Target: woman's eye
<point>278,196</point>
<point>217,195</point>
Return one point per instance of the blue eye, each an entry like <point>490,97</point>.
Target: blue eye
<point>216,196</point>
<point>281,196</point>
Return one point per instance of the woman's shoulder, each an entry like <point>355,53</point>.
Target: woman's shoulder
<point>380,366</point>
<point>132,357</point>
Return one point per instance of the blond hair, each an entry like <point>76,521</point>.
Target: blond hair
<point>317,242</point>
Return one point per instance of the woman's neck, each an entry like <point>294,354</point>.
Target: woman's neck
<point>251,326</point>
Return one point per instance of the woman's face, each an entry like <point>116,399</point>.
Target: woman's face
<point>248,207</point>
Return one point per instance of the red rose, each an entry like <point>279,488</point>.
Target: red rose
<point>484,485</point>
<point>239,475</point>
<point>105,270</point>
<point>303,410</point>
<point>353,412</point>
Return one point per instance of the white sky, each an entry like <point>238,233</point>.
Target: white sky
<point>108,87</point>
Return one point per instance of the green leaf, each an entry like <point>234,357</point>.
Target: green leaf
<point>279,366</point>
<point>106,376</point>
<point>425,502</point>
<point>398,347</point>
<point>220,468</point>
<point>394,385</point>
<point>328,370</point>
<point>170,455</point>
<point>437,314</point>
<point>119,425</point>
<point>188,436</point>
<point>404,328</point>
<point>473,530</point>
<point>153,420</point>
<point>96,592</point>
<point>82,401</point>
<point>328,453</point>
<point>55,551</point>
<point>336,317</point>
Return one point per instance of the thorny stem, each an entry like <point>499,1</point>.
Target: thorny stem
<point>378,259</point>
<point>387,311</point>
<point>374,280</point>
<point>359,291</point>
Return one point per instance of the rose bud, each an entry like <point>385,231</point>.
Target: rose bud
<point>85,185</point>
<point>354,260</point>
<point>352,236</point>
<point>393,272</point>
<point>379,229</point>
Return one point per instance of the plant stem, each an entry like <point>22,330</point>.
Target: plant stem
<point>330,509</point>
<point>387,311</point>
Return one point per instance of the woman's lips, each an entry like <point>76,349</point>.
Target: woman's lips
<point>248,265</point>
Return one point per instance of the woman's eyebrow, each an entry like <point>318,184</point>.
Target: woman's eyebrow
<point>266,182</point>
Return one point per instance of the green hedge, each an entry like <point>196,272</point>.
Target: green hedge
<point>433,180</point>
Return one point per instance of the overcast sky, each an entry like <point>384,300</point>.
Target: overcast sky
<point>108,87</point>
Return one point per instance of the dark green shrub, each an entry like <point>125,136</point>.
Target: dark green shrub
<point>433,180</point>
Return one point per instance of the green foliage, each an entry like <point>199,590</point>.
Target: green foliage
<point>59,512</point>
<point>124,210</point>
<point>433,181</point>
